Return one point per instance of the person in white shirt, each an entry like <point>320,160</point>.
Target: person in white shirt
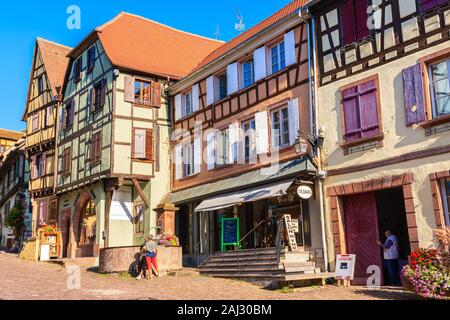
<point>390,252</point>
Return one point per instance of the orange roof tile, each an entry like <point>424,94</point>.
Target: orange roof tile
<point>11,135</point>
<point>136,43</point>
<point>277,16</point>
<point>55,61</point>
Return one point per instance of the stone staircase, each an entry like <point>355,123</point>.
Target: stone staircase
<point>258,264</point>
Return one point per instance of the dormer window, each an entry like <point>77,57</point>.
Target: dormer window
<point>40,85</point>
<point>278,57</point>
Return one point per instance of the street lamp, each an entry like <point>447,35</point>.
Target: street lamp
<point>301,146</point>
<point>301,143</point>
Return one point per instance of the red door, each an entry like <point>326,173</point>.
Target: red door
<point>361,232</point>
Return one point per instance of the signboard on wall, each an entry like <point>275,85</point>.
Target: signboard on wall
<point>121,205</point>
<point>345,266</point>
<point>230,232</point>
<point>290,232</point>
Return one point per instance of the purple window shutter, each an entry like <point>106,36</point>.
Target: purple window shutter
<point>348,22</point>
<point>362,31</point>
<point>43,164</point>
<point>413,95</point>
<point>368,107</point>
<point>429,4</point>
<point>351,114</point>
<point>33,167</point>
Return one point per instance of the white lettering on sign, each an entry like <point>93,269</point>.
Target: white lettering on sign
<point>290,232</point>
<point>305,192</point>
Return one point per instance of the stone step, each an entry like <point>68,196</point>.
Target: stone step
<point>259,276</point>
<point>232,263</point>
<point>262,269</point>
<point>246,251</point>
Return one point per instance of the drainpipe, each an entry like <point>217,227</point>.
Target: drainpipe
<point>314,124</point>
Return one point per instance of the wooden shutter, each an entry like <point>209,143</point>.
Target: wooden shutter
<point>413,95</point>
<point>43,165</point>
<point>289,47</point>
<point>33,167</point>
<point>348,22</point>
<point>262,132</point>
<point>232,78</point>
<point>129,89</point>
<point>233,130</point>
<point>211,150</point>
<point>149,146</point>
<point>139,144</point>
<point>195,98</point>
<point>260,63</point>
<point>368,109</point>
<point>197,154</point>
<point>361,29</point>
<point>178,157</point>
<point>429,4</point>
<point>351,114</point>
<point>178,102</point>
<point>294,120</point>
<point>104,87</point>
<point>156,94</point>
<point>210,95</point>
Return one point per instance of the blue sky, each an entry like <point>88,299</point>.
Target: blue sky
<point>22,21</point>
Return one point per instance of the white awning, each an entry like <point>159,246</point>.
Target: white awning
<point>247,195</point>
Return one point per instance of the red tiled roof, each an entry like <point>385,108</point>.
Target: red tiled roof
<point>55,61</point>
<point>277,16</point>
<point>11,135</point>
<point>136,43</point>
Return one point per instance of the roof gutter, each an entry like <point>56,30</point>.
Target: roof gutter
<point>228,57</point>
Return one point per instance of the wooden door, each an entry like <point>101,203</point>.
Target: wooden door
<point>361,233</point>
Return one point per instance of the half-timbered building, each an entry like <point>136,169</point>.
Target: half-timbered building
<point>8,138</point>
<point>44,97</point>
<point>240,120</point>
<point>114,125</point>
<point>383,102</point>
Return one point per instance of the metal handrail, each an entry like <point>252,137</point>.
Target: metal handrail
<point>197,252</point>
<point>278,243</point>
<point>252,231</point>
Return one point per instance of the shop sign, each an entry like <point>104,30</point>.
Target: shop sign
<point>305,192</point>
<point>345,266</point>
<point>230,232</point>
<point>290,232</point>
<point>295,225</point>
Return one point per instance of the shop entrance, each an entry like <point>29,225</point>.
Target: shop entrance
<point>366,217</point>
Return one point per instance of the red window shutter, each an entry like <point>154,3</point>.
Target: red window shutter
<point>149,144</point>
<point>156,94</point>
<point>413,95</point>
<point>348,22</point>
<point>362,31</point>
<point>351,114</point>
<point>129,89</point>
<point>368,109</point>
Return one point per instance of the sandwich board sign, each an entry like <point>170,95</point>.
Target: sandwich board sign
<point>345,266</point>
<point>290,232</point>
<point>230,232</point>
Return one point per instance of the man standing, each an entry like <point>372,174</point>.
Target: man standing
<point>390,252</point>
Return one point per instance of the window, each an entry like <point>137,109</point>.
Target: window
<point>96,148</point>
<point>223,146</point>
<point>249,139</point>
<point>188,160</point>
<point>143,144</point>
<point>354,20</point>
<point>40,85</point>
<point>138,218</point>
<point>35,122</point>
<point>278,57</point>
<point>222,86</point>
<point>445,188</point>
<point>67,115</point>
<point>40,166</point>
<point>142,92</point>
<point>440,88</point>
<point>48,116</point>
<point>426,5</point>
<point>360,108</point>
<point>42,212</point>
<point>280,128</point>
<point>98,95</point>
<point>52,211</point>
<point>247,74</point>
<point>91,59</point>
<point>67,161</point>
<point>77,69</point>
<point>187,105</point>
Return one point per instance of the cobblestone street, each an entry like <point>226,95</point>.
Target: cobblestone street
<point>24,280</point>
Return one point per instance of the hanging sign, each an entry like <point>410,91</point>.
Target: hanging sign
<point>345,266</point>
<point>230,232</point>
<point>305,192</point>
<point>290,232</point>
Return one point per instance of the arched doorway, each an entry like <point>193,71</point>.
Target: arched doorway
<point>84,226</point>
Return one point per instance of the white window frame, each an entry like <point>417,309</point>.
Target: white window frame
<point>283,134</point>
<point>249,133</point>
<point>187,152</point>
<point>279,56</point>
<point>223,148</point>
<point>188,106</point>
<point>433,96</point>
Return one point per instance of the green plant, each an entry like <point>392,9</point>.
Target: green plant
<point>287,289</point>
<point>15,220</point>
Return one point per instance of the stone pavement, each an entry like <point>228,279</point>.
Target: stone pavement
<point>25,280</point>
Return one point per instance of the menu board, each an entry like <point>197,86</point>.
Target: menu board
<point>230,232</point>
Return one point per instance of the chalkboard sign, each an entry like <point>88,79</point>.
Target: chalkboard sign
<point>230,232</point>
